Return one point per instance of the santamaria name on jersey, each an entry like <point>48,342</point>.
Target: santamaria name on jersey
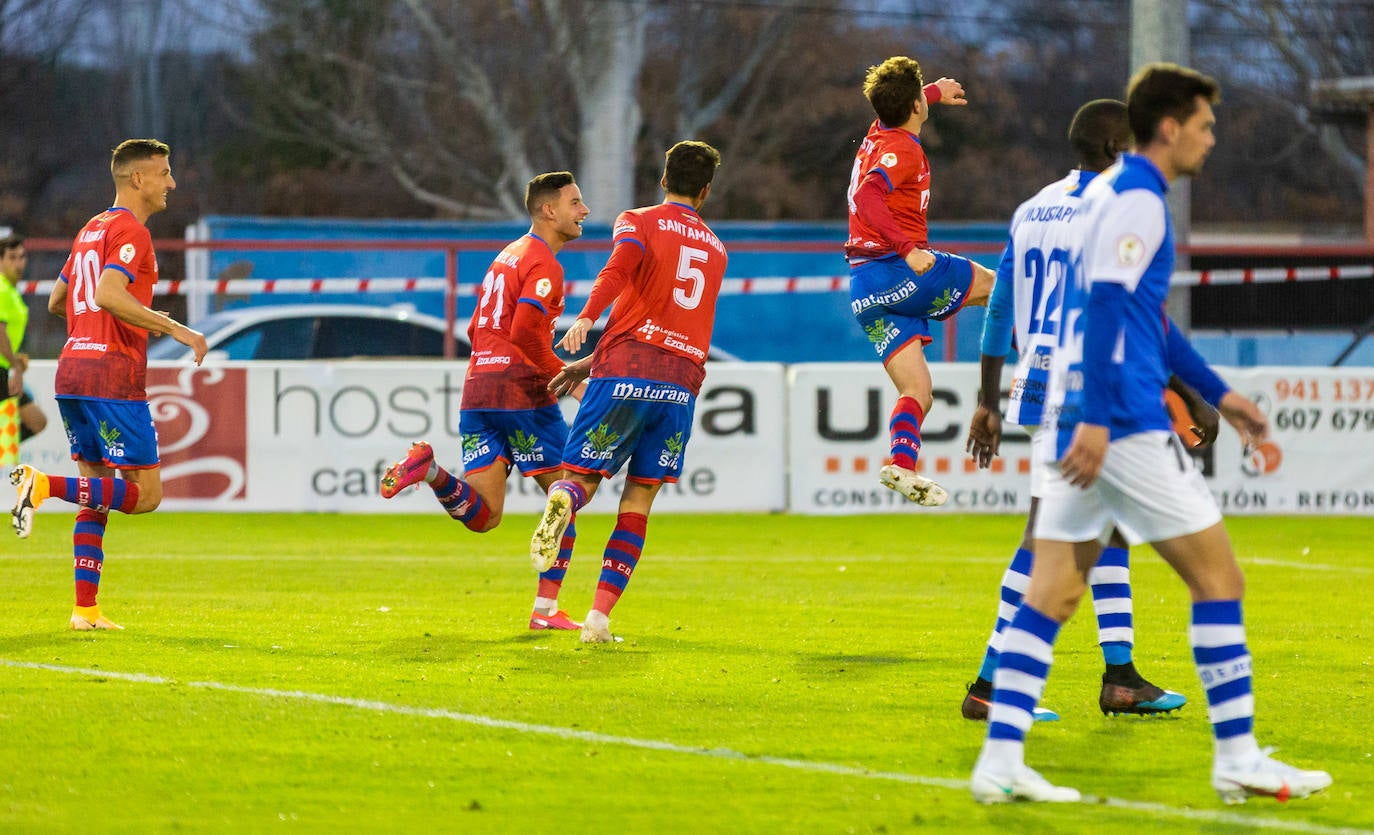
<point>656,393</point>
<point>667,224</point>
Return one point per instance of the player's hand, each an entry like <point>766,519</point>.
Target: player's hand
<point>919,260</point>
<point>16,384</point>
<point>1082,462</point>
<point>951,92</point>
<point>570,381</point>
<point>21,360</point>
<point>192,339</point>
<point>984,436</point>
<point>576,336</point>
<point>1249,422</point>
<point>1206,421</point>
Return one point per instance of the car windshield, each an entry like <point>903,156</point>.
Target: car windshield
<point>167,348</point>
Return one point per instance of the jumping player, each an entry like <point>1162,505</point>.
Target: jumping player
<point>509,417</point>
<point>104,292</point>
<point>897,284</point>
<point>663,275</point>
<point>1025,299</point>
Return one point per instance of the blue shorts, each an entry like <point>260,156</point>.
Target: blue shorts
<point>894,304</point>
<point>621,419</point>
<point>531,439</point>
<point>116,433</point>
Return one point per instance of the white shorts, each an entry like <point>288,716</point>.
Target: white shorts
<point>1149,487</point>
<point>1041,452</point>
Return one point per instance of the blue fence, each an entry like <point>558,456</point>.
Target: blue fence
<point>784,327</point>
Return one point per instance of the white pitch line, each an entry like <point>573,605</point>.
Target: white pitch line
<point>1159,809</point>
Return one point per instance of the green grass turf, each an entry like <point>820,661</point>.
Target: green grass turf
<point>836,642</point>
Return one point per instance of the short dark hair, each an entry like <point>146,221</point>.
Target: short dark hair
<point>1161,90</point>
<point>11,242</point>
<point>136,150</point>
<point>892,88</point>
<point>1097,127</point>
<point>689,167</point>
<point>545,188</point>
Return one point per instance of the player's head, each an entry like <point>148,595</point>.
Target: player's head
<point>1099,132</point>
<point>13,257</point>
<point>894,89</point>
<point>555,205</point>
<point>688,169</point>
<point>142,170</point>
<point>1170,109</point>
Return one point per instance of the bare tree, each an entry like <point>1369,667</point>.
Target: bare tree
<point>463,102</point>
<point>1289,44</point>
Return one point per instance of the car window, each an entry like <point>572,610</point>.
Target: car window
<point>277,339</point>
<point>356,336</point>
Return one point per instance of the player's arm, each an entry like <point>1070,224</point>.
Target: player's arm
<point>1103,318</point>
<point>57,299</point>
<point>613,278</point>
<point>985,428</point>
<point>1185,362</point>
<point>870,204</point>
<point>529,331</point>
<point>112,295</point>
<point>16,370</point>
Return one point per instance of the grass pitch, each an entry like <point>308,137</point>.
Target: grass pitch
<point>778,674</point>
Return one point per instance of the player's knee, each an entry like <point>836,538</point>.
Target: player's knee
<point>492,522</point>
<point>980,290</point>
<point>149,497</point>
<point>33,420</point>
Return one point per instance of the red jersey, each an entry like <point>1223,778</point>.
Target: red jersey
<point>892,161</point>
<point>664,276</point>
<point>105,357</point>
<point>511,366</point>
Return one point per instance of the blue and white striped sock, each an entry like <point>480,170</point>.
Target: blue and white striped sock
<point>1014,582</point>
<point>1217,634</point>
<point>1111,584</point>
<point>1027,653</point>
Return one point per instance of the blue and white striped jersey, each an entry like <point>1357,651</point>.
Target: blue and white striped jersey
<point>1128,240</point>
<point>1030,283</point>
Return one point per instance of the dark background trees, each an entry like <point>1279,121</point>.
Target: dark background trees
<point>421,108</point>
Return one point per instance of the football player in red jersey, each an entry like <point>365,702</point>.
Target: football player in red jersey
<point>664,275</point>
<point>509,417</point>
<point>104,293</point>
<point>897,283</point>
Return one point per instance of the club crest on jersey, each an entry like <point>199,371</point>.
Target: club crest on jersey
<point>127,253</point>
<point>888,160</point>
<point>1130,250</point>
<point>543,287</point>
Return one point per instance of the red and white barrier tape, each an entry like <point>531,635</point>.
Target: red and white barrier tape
<point>763,286</point>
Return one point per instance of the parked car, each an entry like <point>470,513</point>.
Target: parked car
<point>318,332</point>
<point>338,331</point>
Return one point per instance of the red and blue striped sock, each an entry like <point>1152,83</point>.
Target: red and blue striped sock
<point>114,493</point>
<point>551,581</point>
<point>461,501</point>
<point>572,488</point>
<point>905,429</point>
<point>622,555</point>
<point>88,547</point>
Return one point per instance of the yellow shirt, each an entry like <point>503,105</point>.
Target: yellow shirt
<point>14,313</point>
